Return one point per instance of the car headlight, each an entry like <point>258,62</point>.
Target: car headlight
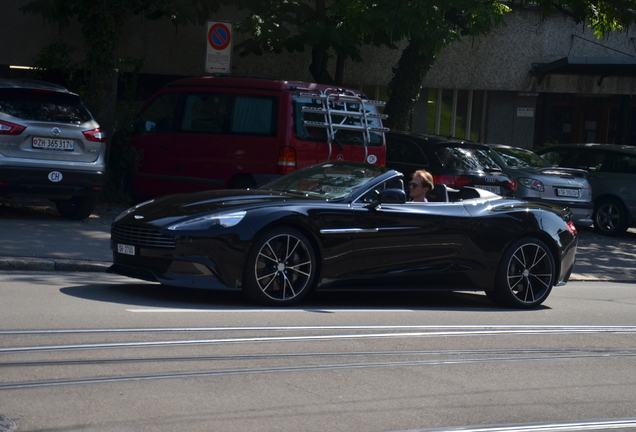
<point>531,183</point>
<point>210,221</point>
<point>132,210</point>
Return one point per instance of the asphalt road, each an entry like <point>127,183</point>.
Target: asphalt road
<point>97,352</point>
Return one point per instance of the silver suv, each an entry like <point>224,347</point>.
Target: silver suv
<point>50,147</point>
<point>538,180</point>
<point>612,174</point>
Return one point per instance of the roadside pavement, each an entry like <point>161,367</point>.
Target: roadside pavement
<point>34,237</point>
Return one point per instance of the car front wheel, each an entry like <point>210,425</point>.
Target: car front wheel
<point>610,217</point>
<point>280,269</point>
<point>525,275</point>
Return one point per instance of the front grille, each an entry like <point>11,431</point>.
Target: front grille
<point>140,236</point>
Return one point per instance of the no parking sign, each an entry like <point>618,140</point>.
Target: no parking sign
<point>218,53</point>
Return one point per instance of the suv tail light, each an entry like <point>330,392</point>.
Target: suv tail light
<point>512,184</point>
<point>7,128</point>
<point>286,160</point>
<point>97,135</point>
<point>451,180</point>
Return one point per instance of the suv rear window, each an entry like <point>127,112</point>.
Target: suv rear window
<point>43,105</point>
<point>466,159</point>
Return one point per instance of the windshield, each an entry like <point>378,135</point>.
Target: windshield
<point>520,158</point>
<point>328,180</point>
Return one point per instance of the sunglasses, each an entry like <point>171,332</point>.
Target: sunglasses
<point>414,185</point>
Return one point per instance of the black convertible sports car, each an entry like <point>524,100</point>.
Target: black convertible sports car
<point>347,226</point>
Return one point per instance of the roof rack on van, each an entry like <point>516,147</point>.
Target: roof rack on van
<point>331,96</point>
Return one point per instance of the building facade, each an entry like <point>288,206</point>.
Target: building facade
<point>530,82</point>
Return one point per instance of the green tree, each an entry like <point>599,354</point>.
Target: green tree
<point>424,27</point>
<point>101,23</point>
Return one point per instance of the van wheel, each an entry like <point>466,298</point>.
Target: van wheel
<point>610,217</point>
<point>77,208</point>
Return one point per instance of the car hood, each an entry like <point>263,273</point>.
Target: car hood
<point>169,209</point>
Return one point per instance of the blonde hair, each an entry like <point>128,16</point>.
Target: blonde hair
<point>427,178</point>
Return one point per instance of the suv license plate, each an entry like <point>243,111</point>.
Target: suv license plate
<point>126,249</point>
<point>568,192</point>
<point>493,189</point>
<point>52,144</point>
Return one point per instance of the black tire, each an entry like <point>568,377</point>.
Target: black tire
<point>525,276</point>
<point>610,217</point>
<point>77,208</point>
<point>280,269</point>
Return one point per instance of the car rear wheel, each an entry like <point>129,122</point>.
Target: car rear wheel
<point>525,276</point>
<point>77,208</point>
<point>280,269</point>
<point>610,217</point>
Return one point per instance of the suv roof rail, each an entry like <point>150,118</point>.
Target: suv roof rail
<point>31,83</point>
<point>329,97</point>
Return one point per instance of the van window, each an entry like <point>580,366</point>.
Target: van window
<point>158,116</point>
<point>221,113</point>
<point>254,116</point>
<point>205,113</point>
<point>342,136</point>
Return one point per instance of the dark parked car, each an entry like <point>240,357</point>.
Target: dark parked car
<point>612,174</point>
<point>50,147</point>
<point>346,226</point>
<point>538,180</point>
<point>452,162</point>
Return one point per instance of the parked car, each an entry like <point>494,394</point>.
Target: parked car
<point>538,180</point>
<point>346,226</point>
<point>50,147</point>
<point>453,162</point>
<point>224,132</point>
<point>612,174</point>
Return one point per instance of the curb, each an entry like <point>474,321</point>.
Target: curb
<point>61,264</point>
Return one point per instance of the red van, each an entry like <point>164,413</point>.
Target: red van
<point>223,133</point>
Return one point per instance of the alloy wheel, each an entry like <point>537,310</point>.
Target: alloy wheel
<point>283,267</point>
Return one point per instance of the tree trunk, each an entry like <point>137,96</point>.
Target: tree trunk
<point>406,84</point>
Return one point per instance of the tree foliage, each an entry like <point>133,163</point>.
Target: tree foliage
<point>343,27</point>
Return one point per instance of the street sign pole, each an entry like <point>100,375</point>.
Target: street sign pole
<point>218,53</point>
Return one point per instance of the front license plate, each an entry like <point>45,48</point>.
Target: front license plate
<point>493,189</point>
<point>126,249</point>
<point>568,192</point>
<point>52,144</point>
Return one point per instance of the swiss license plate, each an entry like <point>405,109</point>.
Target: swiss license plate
<point>126,249</point>
<point>568,192</point>
<point>52,144</point>
<point>493,189</point>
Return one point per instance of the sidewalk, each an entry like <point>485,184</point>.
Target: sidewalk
<point>40,240</point>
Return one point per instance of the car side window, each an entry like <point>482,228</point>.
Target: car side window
<point>205,113</point>
<point>590,160</point>
<point>158,116</point>
<point>624,164</point>
<point>406,152</point>
<point>554,157</point>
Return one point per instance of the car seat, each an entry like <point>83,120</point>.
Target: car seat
<point>438,193</point>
